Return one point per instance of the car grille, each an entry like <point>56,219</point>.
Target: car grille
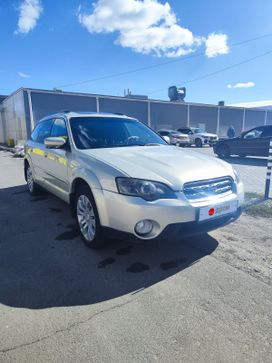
<point>182,138</point>
<point>206,189</point>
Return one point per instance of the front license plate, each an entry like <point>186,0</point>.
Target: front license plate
<point>217,210</point>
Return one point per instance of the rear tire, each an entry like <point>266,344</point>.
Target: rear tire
<point>223,151</point>
<point>198,142</point>
<point>33,188</point>
<point>87,218</point>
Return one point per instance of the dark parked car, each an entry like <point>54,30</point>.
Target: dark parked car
<point>254,142</point>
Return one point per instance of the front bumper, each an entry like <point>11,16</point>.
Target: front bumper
<point>121,213</point>
<point>210,142</point>
<point>184,143</point>
<point>178,230</point>
<point>181,142</point>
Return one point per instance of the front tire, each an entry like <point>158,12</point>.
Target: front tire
<point>223,151</point>
<point>87,218</point>
<point>198,142</point>
<point>33,187</point>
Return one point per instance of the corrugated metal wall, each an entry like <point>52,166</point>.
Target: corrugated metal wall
<point>44,104</point>
<point>127,107</point>
<point>269,118</point>
<point>24,108</point>
<point>167,115</point>
<point>254,118</point>
<point>13,118</point>
<point>206,115</point>
<point>231,116</point>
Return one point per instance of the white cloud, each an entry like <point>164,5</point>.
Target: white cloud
<point>23,75</point>
<point>145,26</point>
<point>242,85</point>
<point>267,104</point>
<point>216,44</point>
<point>29,13</point>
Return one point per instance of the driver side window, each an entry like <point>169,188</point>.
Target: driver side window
<point>254,134</point>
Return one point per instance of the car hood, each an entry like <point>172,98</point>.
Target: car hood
<point>167,164</point>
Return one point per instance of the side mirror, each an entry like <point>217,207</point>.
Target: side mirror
<point>54,142</point>
<point>167,139</point>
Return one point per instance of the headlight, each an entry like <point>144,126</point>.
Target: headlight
<point>148,190</point>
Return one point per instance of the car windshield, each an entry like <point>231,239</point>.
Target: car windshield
<point>110,132</point>
<point>197,130</point>
<point>175,133</point>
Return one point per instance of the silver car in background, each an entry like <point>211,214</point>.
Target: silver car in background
<point>123,180</point>
<point>199,137</point>
<point>175,137</point>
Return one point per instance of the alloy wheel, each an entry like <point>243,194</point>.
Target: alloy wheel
<point>29,178</point>
<point>86,218</point>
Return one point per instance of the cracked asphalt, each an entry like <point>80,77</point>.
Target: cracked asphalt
<point>204,299</point>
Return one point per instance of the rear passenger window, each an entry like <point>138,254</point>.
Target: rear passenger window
<point>42,131</point>
<point>59,129</point>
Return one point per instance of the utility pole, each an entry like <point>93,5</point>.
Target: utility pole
<point>268,173</point>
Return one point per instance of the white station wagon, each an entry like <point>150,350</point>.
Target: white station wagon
<point>122,179</point>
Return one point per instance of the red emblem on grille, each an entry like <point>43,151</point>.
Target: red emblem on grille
<point>211,212</point>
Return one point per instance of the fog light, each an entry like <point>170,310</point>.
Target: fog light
<point>144,227</point>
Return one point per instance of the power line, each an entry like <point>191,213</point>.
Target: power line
<point>158,65</point>
<point>218,71</point>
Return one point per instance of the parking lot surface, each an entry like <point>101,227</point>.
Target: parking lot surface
<point>203,299</point>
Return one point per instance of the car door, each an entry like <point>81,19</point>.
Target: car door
<point>266,137</point>
<point>36,148</point>
<point>56,173</point>
<point>251,143</point>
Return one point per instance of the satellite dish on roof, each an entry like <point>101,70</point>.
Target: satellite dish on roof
<point>176,93</point>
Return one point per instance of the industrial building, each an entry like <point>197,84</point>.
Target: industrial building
<point>20,111</point>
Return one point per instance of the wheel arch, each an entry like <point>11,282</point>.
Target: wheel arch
<point>27,162</point>
<point>96,191</point>
<point>77,183</point>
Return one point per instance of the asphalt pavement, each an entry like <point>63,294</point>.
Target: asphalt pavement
<point>184,301</point>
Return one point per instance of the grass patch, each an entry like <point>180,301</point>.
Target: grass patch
<point>251,195</point>
<point>256,206</point>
